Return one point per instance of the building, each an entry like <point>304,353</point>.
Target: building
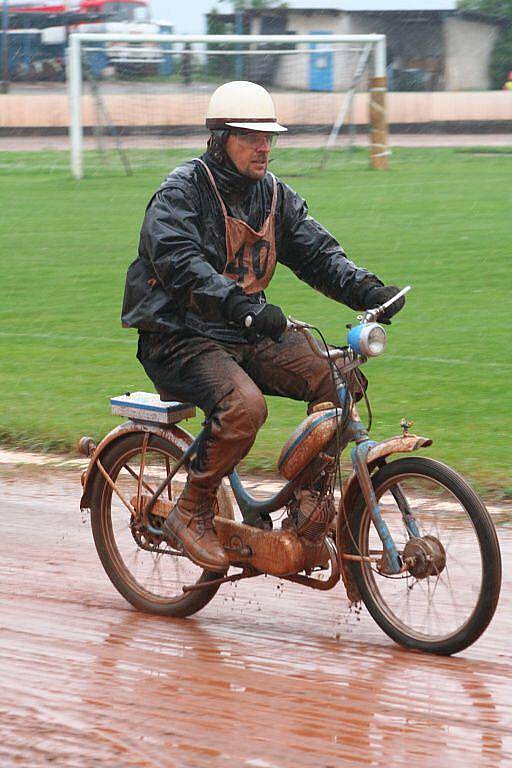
<point>434,47</point>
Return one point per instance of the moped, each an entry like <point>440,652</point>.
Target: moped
<point>408,536</point>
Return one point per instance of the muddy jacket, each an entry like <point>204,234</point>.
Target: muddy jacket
<point>176,283</point>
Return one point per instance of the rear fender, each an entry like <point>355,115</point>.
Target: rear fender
<point>374,458</point>
<point>172,434</point>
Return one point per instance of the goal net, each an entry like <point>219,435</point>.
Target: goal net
<point>133,93</point>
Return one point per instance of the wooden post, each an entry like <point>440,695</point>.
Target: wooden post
<point>378,123</point>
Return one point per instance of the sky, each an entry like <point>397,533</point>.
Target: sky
<point>188,17</point>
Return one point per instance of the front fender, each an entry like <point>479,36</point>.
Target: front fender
<point>378,452</point>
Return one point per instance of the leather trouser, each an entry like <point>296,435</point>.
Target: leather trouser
<point>228,382</point>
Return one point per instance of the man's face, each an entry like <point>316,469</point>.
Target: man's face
<point>250,152</point>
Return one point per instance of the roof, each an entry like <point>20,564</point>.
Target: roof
<point>39,20</point>
<point>373,5</point>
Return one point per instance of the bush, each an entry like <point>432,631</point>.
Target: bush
<point>501,59</point>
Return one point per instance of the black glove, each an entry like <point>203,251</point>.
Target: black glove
<point>265,319</point>
<point>378,295</point>
<point>268,321</point>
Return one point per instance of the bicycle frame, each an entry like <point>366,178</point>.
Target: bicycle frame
<point>365,454</point>
<point>252,509</point>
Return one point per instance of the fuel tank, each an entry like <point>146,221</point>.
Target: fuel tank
<point>311,436</point>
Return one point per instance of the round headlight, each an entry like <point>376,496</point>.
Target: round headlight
<point>367,339</point>
<point>376,341</point>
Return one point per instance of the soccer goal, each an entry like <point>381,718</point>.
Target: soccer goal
<point>131,92</point>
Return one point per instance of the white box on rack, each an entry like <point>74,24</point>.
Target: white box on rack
<point>147,406</point>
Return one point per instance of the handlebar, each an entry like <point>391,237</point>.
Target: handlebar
<point>304,328</point>
<point>370,316</point>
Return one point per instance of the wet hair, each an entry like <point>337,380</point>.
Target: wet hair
<point>217,146</point>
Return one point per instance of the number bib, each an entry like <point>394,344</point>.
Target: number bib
<point>251,256</point>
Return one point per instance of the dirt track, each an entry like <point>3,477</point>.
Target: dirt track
<point>268,675</point>
<point>46,143</point>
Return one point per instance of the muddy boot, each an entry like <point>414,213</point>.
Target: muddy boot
<point>191,524</point>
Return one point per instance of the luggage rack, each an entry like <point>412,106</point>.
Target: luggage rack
<point>148,407</point>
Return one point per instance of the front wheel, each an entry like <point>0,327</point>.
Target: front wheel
<point>448,593</point>
<point>142,566</point>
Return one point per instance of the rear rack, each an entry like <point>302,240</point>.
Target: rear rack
<point>147,406</point>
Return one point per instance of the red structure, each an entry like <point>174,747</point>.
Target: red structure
<point>82,6</point>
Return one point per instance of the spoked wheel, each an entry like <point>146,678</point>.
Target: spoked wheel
<point>148,572</point>
<point>447,595</point>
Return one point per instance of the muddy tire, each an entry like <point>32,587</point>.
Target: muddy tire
<point>146,571</point>
<point>443,603</point>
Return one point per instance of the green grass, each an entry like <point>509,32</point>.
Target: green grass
<point>438,219</point>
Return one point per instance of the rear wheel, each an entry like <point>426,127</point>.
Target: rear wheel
<point>447,596</point>
<point>146,570</point>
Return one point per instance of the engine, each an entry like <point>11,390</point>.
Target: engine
<point>311,514</point>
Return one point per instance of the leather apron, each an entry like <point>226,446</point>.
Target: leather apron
<point>251,256</point>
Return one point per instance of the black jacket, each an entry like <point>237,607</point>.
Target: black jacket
<point>176,283</point>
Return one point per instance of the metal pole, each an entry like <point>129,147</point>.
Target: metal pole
<point>75,105</point>
<point>121,38</point>
<point>380,57</point>
<point>4,88</point>
<point>239,28</point>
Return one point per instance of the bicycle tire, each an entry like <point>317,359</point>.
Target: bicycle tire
<point>451,490</point>
<point>179,605</point>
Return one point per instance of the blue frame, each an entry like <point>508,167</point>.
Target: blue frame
<point>254,511</point>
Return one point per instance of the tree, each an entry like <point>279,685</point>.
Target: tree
<point>226,66</point>
<point>219,66</point>
<point>498,9</point>
<point>501,58</point>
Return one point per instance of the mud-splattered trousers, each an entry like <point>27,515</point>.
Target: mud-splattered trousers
<point>228,382</point>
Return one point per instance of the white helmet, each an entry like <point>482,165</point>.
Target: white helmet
<point>241,104</point>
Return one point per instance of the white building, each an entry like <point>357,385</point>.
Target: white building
<point>431,45</point>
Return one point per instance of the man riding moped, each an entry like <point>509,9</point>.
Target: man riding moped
<point>210,241</point>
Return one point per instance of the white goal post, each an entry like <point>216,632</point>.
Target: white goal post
<point>366,46</point>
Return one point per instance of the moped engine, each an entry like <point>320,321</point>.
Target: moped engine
<point>311,514</point>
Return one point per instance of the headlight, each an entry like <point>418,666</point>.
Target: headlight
<point>367,339</point>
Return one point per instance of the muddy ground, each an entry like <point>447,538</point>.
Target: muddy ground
<point>268,675</point>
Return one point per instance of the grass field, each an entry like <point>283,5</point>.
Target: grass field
<point>438,219</point>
